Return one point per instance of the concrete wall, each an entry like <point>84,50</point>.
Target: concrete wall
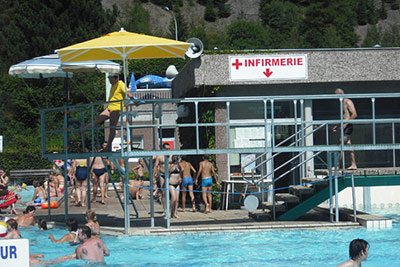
<point>324,66</point>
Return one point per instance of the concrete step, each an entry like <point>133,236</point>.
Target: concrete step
<point>260,215</point>
<point>279,206</point>
<point>316,182</point>
<point>287,198</point>
<point>301,190</point>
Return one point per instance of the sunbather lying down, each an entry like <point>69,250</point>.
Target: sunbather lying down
<point>8,201</point>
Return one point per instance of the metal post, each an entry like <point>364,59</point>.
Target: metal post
<point>126,198</point>
<point>89,167</point>
<point>336,190</point>
<point>341,134</point>
<point>151,192</point>
<point>354,198</point>
<point>394,150</point>
<point>330,186</point>
<point>373,121</point>
<point>166,185</point>
<point>160,124</point>
<point>272,161</point>
<point>65,170</point>
<point>196,107</point>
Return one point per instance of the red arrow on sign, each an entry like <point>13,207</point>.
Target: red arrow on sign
<point>267,72</point>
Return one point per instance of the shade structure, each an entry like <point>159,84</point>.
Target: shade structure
<point>123,45</point>
<point>50,66</point>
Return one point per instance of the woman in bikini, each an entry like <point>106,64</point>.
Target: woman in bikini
<point>92,223</point>
<point>175,179</point>
<point>98,174</point>
<point>81,174</point>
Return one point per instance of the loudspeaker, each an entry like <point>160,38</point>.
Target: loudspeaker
<point>196,49</point>
<point>171,72</point>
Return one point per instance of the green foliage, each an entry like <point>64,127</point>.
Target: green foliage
<point>388,38</point>
<point>142,67</point>
<point>320,16</point>
<point>282,20</point>
<point>134,18</point>
<point>182,26</point>
<point>35,27</point>
<point>382,11</point>
<point>246,35</point>
<point>210,13</point>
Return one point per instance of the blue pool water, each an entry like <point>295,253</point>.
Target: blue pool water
<point>269,248</point>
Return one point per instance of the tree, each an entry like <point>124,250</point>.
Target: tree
<point>181,23</point>
<point>35,27</point>
<point>282,20</point>
<point>246,35</point>
<point>372,38</point>
<point>134,18</point>
<point>210,13</point>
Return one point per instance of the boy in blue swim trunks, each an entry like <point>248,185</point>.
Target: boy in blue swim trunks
<point>206,168</point>
<point>187,182</point>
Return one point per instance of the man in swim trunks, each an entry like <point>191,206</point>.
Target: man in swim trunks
<point>187,182</point>
<point>92,249</point>
<point>349,113</point>
<point>358,252</point>
<point>159,173</point>
<point>206,168</point>
<point>98,175</point>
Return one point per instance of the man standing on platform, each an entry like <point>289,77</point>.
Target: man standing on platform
<point>349,113</point>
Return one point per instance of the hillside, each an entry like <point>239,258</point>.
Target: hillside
<point>248,10</point>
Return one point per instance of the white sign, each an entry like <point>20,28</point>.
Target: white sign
<point>14,252</point>
<point>1,143</point>
<point>267,67</point>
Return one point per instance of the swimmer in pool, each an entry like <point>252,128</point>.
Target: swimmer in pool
<point>92,249</point>
<point>358,252</point>
<point>72,236</point>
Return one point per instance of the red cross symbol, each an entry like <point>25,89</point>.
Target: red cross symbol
<point>237,64</point>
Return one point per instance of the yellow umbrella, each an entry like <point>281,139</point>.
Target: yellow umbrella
<point>123,45</point>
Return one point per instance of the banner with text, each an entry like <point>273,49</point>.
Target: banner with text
<point>262,68</point>
<point>14,252</point>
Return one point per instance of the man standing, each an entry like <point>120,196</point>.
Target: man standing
<point>187,182</point>
<point>112,112</point>
<point>92,249</point>
<point>358,252</point>
<point>349,113</point>
<point>205,169</point>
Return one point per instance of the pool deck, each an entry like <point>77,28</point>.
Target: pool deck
<point>111,218</point>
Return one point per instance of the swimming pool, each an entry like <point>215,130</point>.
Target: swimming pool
<point>268,248</point>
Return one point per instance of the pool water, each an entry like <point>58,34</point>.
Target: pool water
<point>268,248</point>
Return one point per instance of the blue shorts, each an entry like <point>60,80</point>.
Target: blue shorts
<point>187,181</point>
<point>206,182</point>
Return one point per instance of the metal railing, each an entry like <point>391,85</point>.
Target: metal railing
<point>231,114</point>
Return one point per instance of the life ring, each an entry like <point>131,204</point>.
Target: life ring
<point>3,229</point>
